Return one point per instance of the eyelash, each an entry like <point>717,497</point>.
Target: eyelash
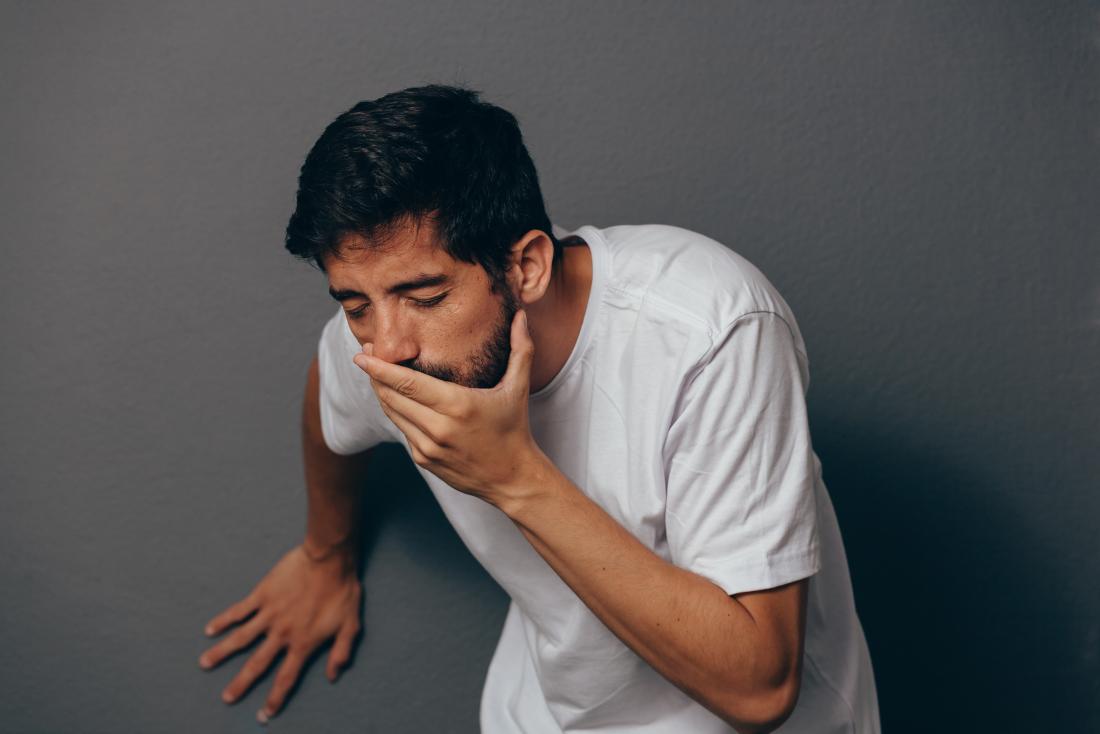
<point>429,303</point>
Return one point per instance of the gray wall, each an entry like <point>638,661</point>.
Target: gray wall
<point>919,179</point>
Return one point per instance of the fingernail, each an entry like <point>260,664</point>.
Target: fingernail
<point>227,697</point>
<point>262,716</point>
<point>209,629</point>
<point>204,662</point>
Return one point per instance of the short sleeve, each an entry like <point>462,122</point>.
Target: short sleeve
<point>740,469</point>
<point>352,420</point>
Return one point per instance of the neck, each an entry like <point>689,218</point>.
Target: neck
<point>556,319</point>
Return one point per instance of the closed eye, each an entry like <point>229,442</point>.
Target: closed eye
<point>431,301</point>
<point>427,303</point>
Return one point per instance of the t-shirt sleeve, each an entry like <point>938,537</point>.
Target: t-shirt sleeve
<point>741,508</point>
<point>352,420</point>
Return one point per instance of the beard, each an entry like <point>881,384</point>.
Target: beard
<point>489,363</point>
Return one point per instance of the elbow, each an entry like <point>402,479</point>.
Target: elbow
<point>767,711</point>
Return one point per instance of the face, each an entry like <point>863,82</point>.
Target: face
<point>422,309</point>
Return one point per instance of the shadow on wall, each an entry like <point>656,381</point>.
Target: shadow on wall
<point>970,626</point>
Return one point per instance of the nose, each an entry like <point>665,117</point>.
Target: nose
<point>393,340</point>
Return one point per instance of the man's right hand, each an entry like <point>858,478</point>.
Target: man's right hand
<point>299,605</point>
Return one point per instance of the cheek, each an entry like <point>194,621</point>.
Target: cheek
<point>457,318</point>
<point>450,338</point>
<point>460,331</point>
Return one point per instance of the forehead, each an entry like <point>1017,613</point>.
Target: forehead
<point>409,249</point>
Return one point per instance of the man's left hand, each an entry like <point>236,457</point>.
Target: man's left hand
<point>476,440</point>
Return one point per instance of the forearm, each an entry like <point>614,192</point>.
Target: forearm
<point>334,484</point>
<point>686,627</point>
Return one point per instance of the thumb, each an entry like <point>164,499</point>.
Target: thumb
<point>522,353</point>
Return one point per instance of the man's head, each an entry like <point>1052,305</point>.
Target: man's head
<point>426,180</point>
<point>422,309</point>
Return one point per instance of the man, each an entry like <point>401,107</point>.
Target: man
<point>613,420</point>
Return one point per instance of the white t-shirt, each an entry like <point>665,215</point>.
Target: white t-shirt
<point>681,411</point>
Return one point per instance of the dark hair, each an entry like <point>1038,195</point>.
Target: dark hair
<point>435,152</point>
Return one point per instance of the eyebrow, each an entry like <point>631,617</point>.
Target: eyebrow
<point>423,280</point>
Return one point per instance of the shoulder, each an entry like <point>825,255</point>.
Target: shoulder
<point>688,273</point>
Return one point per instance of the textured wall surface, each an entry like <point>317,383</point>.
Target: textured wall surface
<point>919,179</point>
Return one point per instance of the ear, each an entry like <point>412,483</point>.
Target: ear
<point>532,265</point>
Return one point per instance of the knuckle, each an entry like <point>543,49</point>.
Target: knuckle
<point>236,640</point>
<point>406,388</point>
<point>280,627</point>
<point>285,678</point>
<point>226,648</point>
<point>444,435</point>
<point>288,671</point>
<point>463,410</point>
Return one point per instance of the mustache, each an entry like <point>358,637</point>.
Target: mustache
<point>443,373</point>
<point>486,368</point>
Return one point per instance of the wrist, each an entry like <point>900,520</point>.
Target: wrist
<point>535,478</point>
<point>319,552</point>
